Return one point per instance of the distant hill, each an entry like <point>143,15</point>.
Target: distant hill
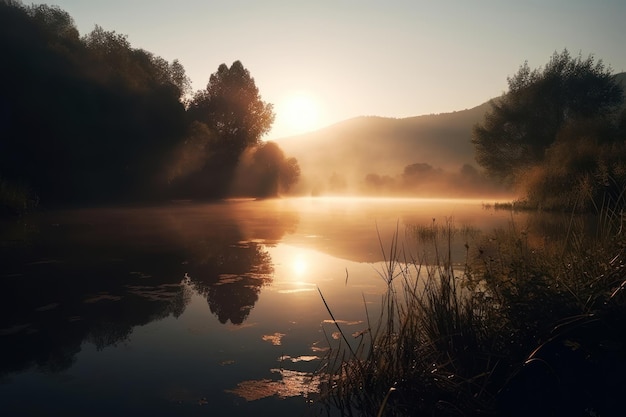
<point>346,152</point>
<point>351,149</point>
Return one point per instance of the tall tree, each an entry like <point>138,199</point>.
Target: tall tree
<point>525,121</point>
<point>232,107</point>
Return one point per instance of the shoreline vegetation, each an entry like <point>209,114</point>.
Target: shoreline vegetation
<point>91,119</point>
<point>527,325</point>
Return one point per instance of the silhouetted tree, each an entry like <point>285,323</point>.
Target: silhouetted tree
<point>192,154</point>
<point>289,174</point>
<point>232,107</point>
<point>83,119</point>
<point>379,184</point>
<point>264,171</point>
<point>232,110</point>
<point>417,170</point>
<point>526,120</point>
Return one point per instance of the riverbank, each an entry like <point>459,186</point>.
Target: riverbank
<point>527,326</point>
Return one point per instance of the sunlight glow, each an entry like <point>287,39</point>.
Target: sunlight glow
<point>299,112</point>
<point>299,266</point>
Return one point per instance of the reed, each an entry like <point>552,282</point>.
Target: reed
<point>449,339</point>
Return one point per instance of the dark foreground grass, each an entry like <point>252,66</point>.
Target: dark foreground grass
<point>525,327</point>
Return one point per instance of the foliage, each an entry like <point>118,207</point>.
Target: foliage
<point>83,119</point>
<point>453,341</point>
<point>580,172</point>
<point>540,103</point>
<point>192,155</point>
<point>423,179</point>
<point>234,118</point>
<point>91,119</point>
<point>264,171</point>
<point>114,60</point>
<point>232,107</point>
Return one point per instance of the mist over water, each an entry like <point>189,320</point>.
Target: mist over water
<point>193,308</point>
<point>426,156</point>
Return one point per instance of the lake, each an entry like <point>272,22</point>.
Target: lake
<point>196,309</point>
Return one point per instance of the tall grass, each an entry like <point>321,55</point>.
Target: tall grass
<point>449,339</point>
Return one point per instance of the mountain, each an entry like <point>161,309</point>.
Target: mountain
<point>341,156</point>
<point>350,150</point>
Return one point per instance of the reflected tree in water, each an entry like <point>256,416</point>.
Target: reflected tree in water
<point>227,262</point>
<point>233,289</point>
<point>94,275</point>
<point>48,338</point>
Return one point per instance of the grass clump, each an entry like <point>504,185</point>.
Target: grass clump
<point>457,340</point>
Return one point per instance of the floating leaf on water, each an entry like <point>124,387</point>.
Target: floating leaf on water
<point>255,390</point>
<point>360,333</point>
<point>303,358</point>
<point>275,339</point>
<point>291,384</point>
<point>347,323</point>
<point>316,348</point>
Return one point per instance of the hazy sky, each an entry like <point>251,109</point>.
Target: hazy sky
<point>353,58</point>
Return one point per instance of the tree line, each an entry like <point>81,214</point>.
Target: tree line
<point>558,135</point>
<point>90,119</point>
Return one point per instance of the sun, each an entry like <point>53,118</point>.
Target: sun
<point>299,112</point>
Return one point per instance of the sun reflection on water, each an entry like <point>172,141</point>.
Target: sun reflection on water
<point>299,266</point>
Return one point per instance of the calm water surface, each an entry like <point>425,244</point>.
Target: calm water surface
<point>193,309</point>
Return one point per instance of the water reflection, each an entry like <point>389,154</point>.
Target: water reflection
<point>190,300</point>
<point>94,275</point>
<point>242,270</point>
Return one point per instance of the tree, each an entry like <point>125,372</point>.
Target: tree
<point>526,121</point>
<point>83,119</point>
<point>232,108</point>
<point>264,171</point>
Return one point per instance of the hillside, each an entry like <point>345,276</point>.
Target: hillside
<point>351,149</point>
<point>340,156</point>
